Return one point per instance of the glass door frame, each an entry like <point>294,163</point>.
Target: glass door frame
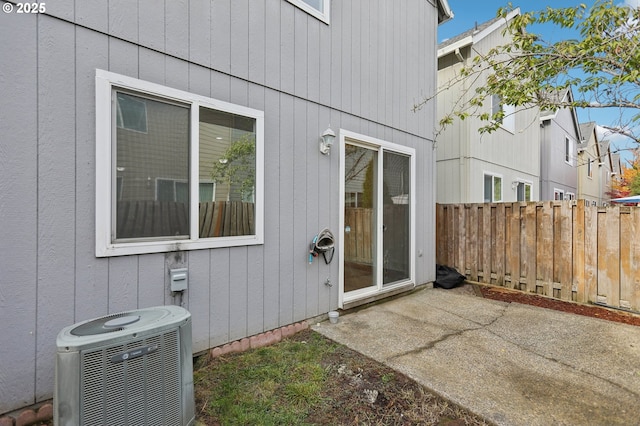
<point>380,146</point>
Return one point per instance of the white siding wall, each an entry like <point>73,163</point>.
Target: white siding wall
<point>464,155</point>
<point>360,73</point>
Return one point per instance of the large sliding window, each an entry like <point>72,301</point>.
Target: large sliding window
<point>174,171</point>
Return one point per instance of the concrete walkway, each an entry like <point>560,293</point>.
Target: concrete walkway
<point>512,364</point>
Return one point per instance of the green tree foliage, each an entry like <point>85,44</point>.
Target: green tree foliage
<point>602,66</point>
<point>238,165</point>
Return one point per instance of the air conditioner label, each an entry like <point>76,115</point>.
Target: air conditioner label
<point>134,353</point>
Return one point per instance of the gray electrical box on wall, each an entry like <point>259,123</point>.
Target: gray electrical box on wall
<point>179,279</point>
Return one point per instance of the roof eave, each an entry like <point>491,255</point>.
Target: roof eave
<point>477,36</point>
<point>444,11</point>
<point>467,41</point>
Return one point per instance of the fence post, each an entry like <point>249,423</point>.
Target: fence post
<point>528,249</point>
<point>544,256</point>
<point>514,245</point>
<point>472,241</point>
<point>591,253</point>
<point>566,251</point>
<point>609,255</point>
<point>441,231</point>
<point>460,222</point>
<point>579,286</point>
<point>630,261</point>
<point>486,242</point>
<point>500,243</point>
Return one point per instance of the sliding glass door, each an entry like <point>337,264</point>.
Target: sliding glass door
<point>377,217</point>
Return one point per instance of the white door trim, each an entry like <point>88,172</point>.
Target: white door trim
<point>346,136</point>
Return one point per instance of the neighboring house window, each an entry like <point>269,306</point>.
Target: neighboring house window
<point>131,113</point>
<point>492,188</point>
<point>570,196</point>
<point>171,190</point>
<point>524,191</point>
<point>558,194</point>
<point>590,167</point>
<point>317,8</point>
<point>353,199</point>
<point>207,191</point>
<point>567,150</point>
<point>503,113</point>
<point>174,171</point>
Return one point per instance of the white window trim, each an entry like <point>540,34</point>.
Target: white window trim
<point>508,122</point>
<point>526,183</point>
<point>105,82</point>
<point>322,15</point>
<point>560,192</point>
<point>569,154</point>
<point>493,175</point>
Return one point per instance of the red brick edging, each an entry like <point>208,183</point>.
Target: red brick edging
<point>259,340</point>
<point>30,416</point>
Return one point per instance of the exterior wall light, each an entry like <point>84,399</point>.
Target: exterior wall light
<point>326,141</point>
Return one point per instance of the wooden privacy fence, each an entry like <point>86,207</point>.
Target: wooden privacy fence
<point>561,249</point>
<point>357,240</point>
<point>360,239</point>
<point>226,218</point>
<point>137,219</point>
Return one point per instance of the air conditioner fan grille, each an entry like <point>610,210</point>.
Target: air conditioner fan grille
<point>130,391</point>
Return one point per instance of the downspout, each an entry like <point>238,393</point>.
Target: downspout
<point>459,55</point>
<point>465,154</point>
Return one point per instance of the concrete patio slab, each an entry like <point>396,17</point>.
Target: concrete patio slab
<point>512,364</point>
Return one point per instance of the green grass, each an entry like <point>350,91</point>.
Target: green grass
<point>307,379</point>
<point>273,385</point>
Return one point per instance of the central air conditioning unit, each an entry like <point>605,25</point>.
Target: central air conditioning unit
<point>130,368</point>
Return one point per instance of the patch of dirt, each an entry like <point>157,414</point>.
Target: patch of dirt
<point>362,391</point>
<point>508,295</point>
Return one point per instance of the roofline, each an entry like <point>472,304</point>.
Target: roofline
<point>574,114</point>
<point>443,5</point>
<point>475,38</point>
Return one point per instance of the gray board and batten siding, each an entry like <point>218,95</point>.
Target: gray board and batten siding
<point>361,72</point>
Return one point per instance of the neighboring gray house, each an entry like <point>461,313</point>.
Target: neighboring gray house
<point>616,172</point>
<point>474,168</point>
<point>559,139</point>
<point>589,156</point>
<point>596,167</point>
<point>608,168</point>
<point>96,96</point>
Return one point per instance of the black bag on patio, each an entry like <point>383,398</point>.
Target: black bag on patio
<point>447,277</point>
